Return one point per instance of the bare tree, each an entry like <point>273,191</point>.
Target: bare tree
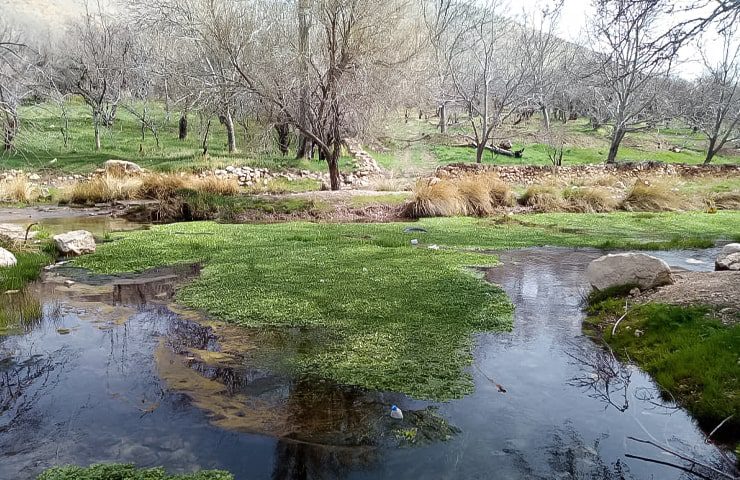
<point>487,71</point>
<point>16,81</point>
<point>95,65</point>
<point>633,67</point>
<point>545,58</point>
<point>714,101</point>
<point>359,49</point>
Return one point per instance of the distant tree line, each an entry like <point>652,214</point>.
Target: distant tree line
<point>314,72</point>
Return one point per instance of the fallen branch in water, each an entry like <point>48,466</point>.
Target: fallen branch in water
<point>693,462</point>
<point>500,387</point>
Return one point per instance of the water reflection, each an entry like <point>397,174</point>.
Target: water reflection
<point>113,372</point>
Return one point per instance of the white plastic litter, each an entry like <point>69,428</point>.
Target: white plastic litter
<point>396,413</point>
<point>414,241</point>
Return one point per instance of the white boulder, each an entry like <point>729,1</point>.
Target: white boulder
<point>78,242</point>
<point>7,259</point>
<point>619,269</point>
<point>729,258</point>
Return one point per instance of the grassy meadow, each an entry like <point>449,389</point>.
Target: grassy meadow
<point>40,145</point>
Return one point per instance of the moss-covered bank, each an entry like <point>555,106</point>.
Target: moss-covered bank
<point>691,355</point>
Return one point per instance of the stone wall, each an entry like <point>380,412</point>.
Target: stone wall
<point>527,174</point>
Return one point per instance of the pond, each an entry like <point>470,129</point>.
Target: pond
<point>113,371</point>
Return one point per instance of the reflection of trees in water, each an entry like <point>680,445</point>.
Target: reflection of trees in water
<point>602,376</point>
<point>568,456</point>
<point>303,461</point>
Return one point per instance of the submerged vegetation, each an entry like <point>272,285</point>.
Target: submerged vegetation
<point>391,315</point>
<point>691,355</point>
<point>126,472</point>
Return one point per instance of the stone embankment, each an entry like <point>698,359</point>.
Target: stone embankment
<point>529,174</point>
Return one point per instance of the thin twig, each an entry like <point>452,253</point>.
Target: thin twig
<point>674,465</point>
<point>683,457</point>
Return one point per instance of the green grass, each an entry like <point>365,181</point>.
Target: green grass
<point>40,145</point>
<point>126,472</point>
<point>26,270</point>
<point>536,154</point>
<point>691,355</point>
<point>393,316</point>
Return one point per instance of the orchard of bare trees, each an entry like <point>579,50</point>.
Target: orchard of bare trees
<point>312,73</point>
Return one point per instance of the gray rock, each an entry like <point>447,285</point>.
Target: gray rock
<point>729,258</point>
<point>619,269</point>
<point>78,242</point>
<point>728,262</point>
<point>10,232</point>
<point>121,167</point>
<point>7,259</point>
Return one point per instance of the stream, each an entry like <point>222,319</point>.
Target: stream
<point>113,371</point>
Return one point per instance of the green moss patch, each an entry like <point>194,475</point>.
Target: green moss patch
<point>393,316</point>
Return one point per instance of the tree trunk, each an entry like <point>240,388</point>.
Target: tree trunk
<point>443,119</point>
<point>545,116</point>
<point>304,10</point>
<point>10,131</point>
<point>96,126</point>
<point>710,151</point>
<point>617,137</point>
<point>283,134</point>
<point>228,124</point>
<point>205,137</point>
<point>182,132</point>
<point>479,150</point>
<point>333,161</point>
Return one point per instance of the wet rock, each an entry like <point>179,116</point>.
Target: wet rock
<point>729,258</point>
<point>121,167</point>
<point>638,269</point>
<point>7,259</point>
<point>78,242</point>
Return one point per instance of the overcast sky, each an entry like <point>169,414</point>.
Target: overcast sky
<point>574,21</point>
<point>51,14</point>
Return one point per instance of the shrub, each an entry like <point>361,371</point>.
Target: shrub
<point>162,187</point>
<point>651,197</point>
<point>543,198</point>
<point>435,198</point>
<point>104,188</point>
<point>726,201</point>
<point>19,190</point>
<point>217,185</point>
<point>589,200</point>
<point>475,191</point>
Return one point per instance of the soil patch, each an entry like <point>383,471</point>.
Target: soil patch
<point>719,290</point>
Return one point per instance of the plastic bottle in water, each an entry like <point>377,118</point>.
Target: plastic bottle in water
<point>396,413</point>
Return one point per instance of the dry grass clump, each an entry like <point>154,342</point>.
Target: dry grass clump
<point>470,194</point>
<point>435,198</point>
<point>543,198</point>
<point>104,188</point>
<point>216,185</point>
<point>726,200</point>
<point>151,186</point>
<point>19,190</point>
<point>475,191</point>
<point>645,196</point>
<point>161,187</point>
<point>589,200</point>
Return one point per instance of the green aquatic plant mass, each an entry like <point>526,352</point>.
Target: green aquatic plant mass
<point>389,315</point>
<point>116,471</point>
